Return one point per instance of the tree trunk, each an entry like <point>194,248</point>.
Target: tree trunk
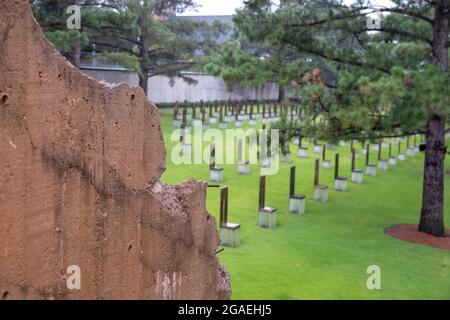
<point>281,93</point>
<point>432,216</point>
<point>75,51</point>
<point>440,35</point>
<point>144,44</point>
<point>143,78</point>
<point>75,55</point>
<point>143,81</point>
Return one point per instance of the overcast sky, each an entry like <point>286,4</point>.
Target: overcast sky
<point>227,7</point>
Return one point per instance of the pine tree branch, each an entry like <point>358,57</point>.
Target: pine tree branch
<point>359,14</point>
<point>393,31</point>
<point>100,5</point>
<point>335,58</point>
<point>114,47</point>
<point>409,13</point>
<point>173,66</point>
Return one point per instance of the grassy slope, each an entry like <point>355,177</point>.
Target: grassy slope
<point>325,253</point>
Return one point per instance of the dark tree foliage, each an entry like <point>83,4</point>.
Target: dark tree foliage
<point>138,34</point>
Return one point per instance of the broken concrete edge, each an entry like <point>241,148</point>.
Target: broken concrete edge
<point>177,199</point>
<point>68,154</point>
<point>168,195</point>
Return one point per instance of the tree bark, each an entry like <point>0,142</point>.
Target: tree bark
<point>144,44</point>
<point>281,93</point>
<point>75,51</point>
<point>143,78</point>
<point>432,216</point>
<point>440,35</point>
<point>143,81</point>
<point>75,55</point>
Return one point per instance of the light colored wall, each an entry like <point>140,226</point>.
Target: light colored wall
<point>208,88</point>
<point>112,76</point>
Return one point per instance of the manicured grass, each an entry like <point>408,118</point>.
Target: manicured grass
<point>325,253</point>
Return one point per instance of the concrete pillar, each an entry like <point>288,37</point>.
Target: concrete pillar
<point>212,120</point>
<point>340,184</point>
<point>383,165</point>
<point>267,218</point>
<point>303,152</point>
<point>371,170</point>
<point>318,149</point>
<point>243,168</point>
<point>297,204</point>
<point>411,152</point>
<point>321,193</point>
<point>230,235</point>
<point>326,164</point>
<point>216,174</point>
<point>357,176</point>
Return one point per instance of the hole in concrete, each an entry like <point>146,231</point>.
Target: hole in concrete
<point>133,97</point>
<point>130,247</point>
<point>4,99</point>
<point>5,295</point>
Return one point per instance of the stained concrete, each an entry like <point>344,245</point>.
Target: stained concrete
<point>81,162</point>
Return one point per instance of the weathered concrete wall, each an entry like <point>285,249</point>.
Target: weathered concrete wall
<point>79,185</point>
<point>208,88</point>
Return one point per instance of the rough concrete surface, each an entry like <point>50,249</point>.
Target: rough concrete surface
<point>79,185</point>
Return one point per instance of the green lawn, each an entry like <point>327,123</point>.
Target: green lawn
<point>324,254</point>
